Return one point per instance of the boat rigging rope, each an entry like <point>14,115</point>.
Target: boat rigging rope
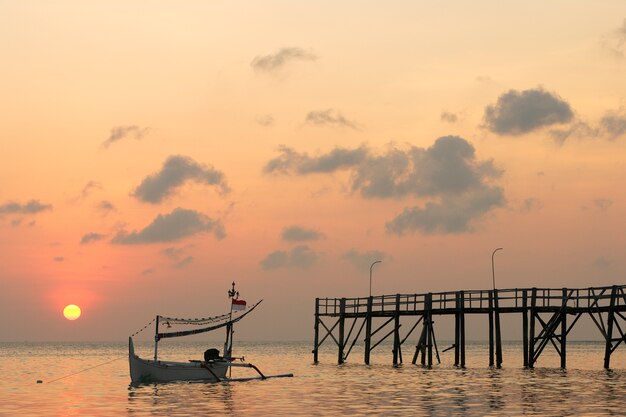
<point>143,328</point>
<point>87,369</point>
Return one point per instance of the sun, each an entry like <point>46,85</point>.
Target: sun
<point>71,312</point>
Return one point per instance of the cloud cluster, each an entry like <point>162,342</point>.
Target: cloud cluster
<point>121,132</point>
<point>615,41</point>
<point>178,255</point>
<point>329,117</point>
<point>299,257</point>
<point>451,215</point>
<point>448,173</point>
<point>91,237</point>
<point>448,117</point>
<point>613,123</point>
<point>105,207</point>
<point>178,224</point>
<point>31,207</point>
<point>520,112</point>
<point>276,61</point>
<point>363,260</point>
<point>300,234</point>
<point>293,162</point>
<point>176,170</point>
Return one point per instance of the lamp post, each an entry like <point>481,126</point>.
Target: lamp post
<point>493,271</point>
<point>371,266</point>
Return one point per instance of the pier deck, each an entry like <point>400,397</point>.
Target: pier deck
<point>544,311</point>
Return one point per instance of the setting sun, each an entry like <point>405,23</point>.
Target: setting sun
<point>71,312</point>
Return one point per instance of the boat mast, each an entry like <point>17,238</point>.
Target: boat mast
<point>156,337</point>
<point>228,346</point>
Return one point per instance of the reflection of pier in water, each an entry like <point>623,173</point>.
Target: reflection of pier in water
<point>544,313</point>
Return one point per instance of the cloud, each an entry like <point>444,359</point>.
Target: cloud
<point>449,117</point>
<point>176,170</point>
<point>58,259</point>
<point>31,207</point>
<point>300,234</point>
<point>89,187</point>
<point>449,167</point>
<point>91,237</point>
<point>121,132</point>
<point>577,129</point>
<point>516,113</point>
<point>299,257</point>
<point>105,207</point>
<point>448,173</point>
<point>265,120</point>
<point>178,224</point>
<point>615,41</point>
<point>450,216</point>
<point>329,117</point>
<point>602,263</point>
<point>278,60</point>
<point>613,124</point>
<point>602,204</point>
<point>363,260</point>
<point>184,262</point>
<point>291,161</point>
<point>531,204</point>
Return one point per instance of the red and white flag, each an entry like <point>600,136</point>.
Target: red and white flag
<point>238,305</point>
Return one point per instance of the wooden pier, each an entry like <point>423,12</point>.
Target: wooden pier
<point>544,313</point>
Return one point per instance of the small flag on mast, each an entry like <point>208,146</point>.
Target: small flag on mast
<point>238,305</point>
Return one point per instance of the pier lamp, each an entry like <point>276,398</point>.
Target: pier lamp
<point>371,266</point>
<point>493,271</point>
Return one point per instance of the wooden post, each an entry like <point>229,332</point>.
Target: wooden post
<point>491,328</point>
<point>156,338</point>
<point>462,333</point>
<point>531,334</point>
<point>457,322</point>
<point>429,338</point>
<point>564,329</point>
<point>368,330</point>
<point>525,326</point>
<point>498,333</point>
<point>396,333</point>
<point>316,329</point>
<point>342,319</point>
<point>609,329</point>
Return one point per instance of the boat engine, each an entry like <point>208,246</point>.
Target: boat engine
<point>211,354</point>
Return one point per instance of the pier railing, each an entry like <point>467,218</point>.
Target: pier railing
<point>544,314</point>
<point>476,300</point>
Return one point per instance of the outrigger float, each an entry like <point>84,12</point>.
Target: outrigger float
<point>213,368</point>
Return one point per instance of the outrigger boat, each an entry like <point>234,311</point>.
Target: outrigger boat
<point>213,368</point>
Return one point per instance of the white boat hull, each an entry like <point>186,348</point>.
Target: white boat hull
<point>145,371</point>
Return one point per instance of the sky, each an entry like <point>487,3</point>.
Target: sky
<point>151,153</point>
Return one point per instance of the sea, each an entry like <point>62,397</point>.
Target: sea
<point>92,379</point>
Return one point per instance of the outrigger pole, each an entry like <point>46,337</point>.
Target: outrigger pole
<point>156,337</point>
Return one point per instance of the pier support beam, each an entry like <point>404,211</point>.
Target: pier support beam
<point>368,330</point>
<point>457,325</point>
<point>564,330</point>
<point>396,333</point>
<point>496,304</point>
<point>525,326</point>
<point>491,351</point>
<point>341,341</point>
<point>609,329</point>
<point>317,331</point>
<point>531,334</point>
<point>462,328</point>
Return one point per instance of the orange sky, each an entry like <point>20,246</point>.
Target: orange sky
<point>150,154</point>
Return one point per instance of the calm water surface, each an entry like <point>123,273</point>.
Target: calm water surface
<point>317,390</point>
